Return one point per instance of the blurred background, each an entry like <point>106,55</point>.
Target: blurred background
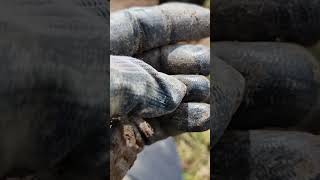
<point>316,50</point>
<point>193,148</point>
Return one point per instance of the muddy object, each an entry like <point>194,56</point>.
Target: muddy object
<point>266,20</point>
<point>262,154</point>
<point>282,82</point>
<point>227,90</point>
<point>179,59</point>
<point>129,136</point>
<point>135,30</point>
<point>125,145</point>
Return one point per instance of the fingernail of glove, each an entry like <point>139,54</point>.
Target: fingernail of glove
<point>185,59</point>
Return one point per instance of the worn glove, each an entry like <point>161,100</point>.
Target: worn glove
<point>144,95</point>
<point>156,28</point>
<point>148,105</point>
<point>267,154</point>
<point>52,86</point>
<point>137,30</point>
<point>281,90</point>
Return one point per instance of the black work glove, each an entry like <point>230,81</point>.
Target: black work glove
<point>53,85</point>
<point>281,89</point>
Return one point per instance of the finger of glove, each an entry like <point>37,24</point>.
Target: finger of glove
<point>198,88</point>
<point>135,30</point>
<point>271,20</point>
<point>188,117</point>
<point>159,132</point>
<point>254,152</point>
<point>137,88</point>
<point>227,90</point>
<point>179,59</point>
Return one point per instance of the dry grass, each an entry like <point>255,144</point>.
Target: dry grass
<point>194,153</point>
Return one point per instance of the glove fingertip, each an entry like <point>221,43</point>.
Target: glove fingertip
<point>189,117</point>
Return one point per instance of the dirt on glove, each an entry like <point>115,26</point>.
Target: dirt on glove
<point>128,140</point>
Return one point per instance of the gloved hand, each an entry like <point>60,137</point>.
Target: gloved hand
<point>281,92</point>
<point>146,104</point>
<point>138,89</point>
